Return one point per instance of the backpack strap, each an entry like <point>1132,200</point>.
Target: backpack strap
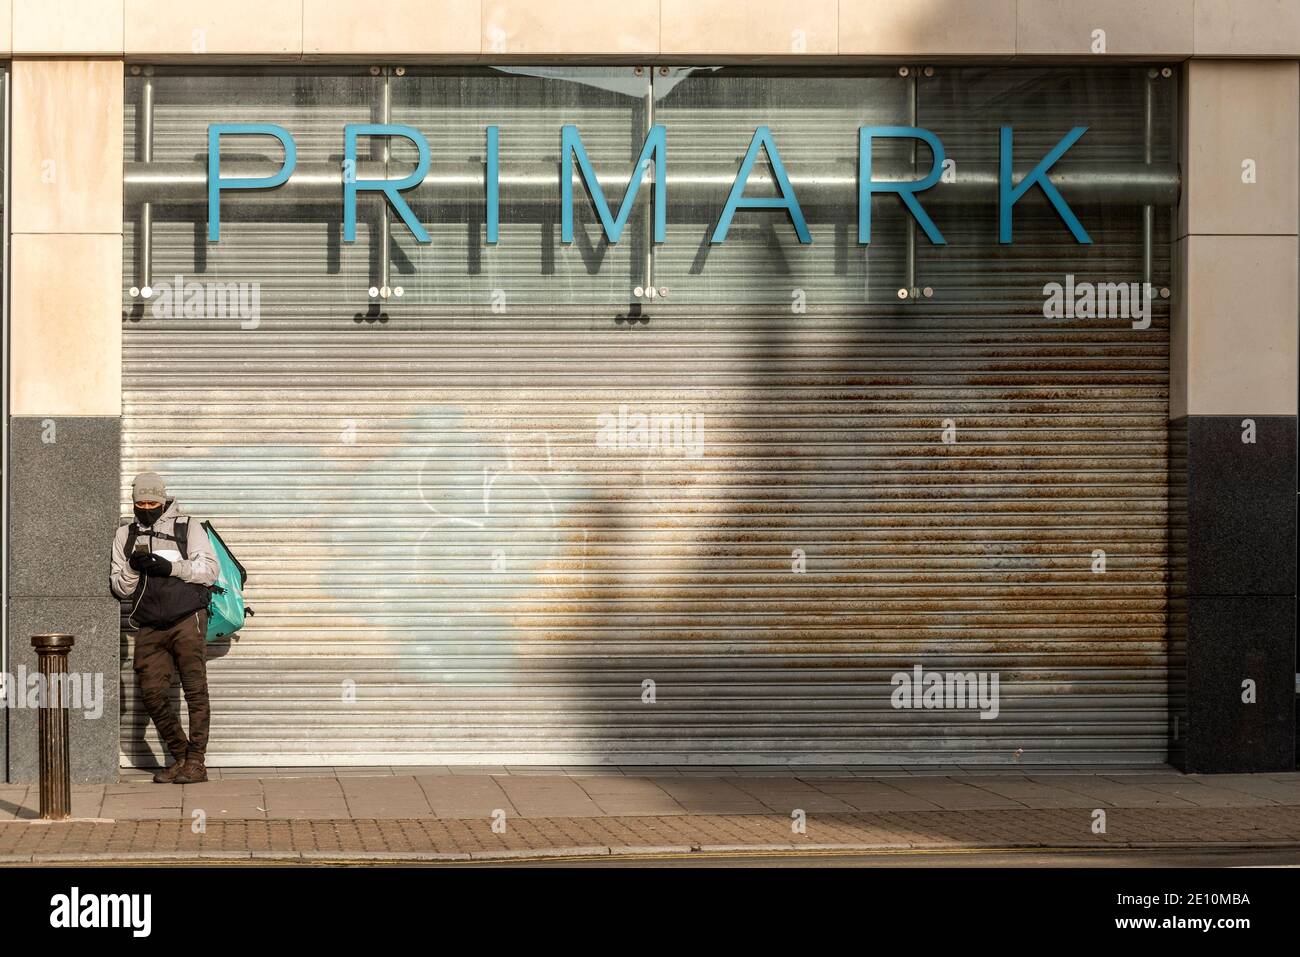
<point>181,533</point>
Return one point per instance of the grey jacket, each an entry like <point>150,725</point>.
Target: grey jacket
<point>200,568</point>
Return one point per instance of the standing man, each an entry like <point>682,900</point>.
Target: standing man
<point>165,568</point>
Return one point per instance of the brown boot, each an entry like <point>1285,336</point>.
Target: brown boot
<point>192,772</point>
<point>168,774</point>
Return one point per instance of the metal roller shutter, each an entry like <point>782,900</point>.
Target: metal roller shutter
<point>451,564</point>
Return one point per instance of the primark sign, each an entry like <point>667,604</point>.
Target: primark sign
<point>653,165</point>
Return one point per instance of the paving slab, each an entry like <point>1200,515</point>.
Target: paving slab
<point>952,795</point>
<point>700,794</point>
<point>1039,794</point>
<point>475,796</point>
<point>1201,794</point>
<point>134,812</point>
<point>397,785</point>
<point>304,798</point>
<point>554,795</point>
<point>1110,792</point>
<point>237,808</point>
<point>302,789</point>
<point>127,806</point>
<point>391,797</point>
<point>223,786</point>
<point>1281,791</point>
<point>787,795</point>
<point>618,795</point>
<point>868,795</point>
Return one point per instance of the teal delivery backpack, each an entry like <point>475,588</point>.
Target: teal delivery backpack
<point>226,610</point>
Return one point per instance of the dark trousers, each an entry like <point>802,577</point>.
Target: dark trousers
<point>159,653</point>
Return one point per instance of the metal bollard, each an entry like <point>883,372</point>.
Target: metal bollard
<point>56,782</point>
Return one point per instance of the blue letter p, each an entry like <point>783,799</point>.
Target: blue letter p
<point>216,184</point>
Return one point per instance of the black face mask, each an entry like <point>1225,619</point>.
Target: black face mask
<point>147,516</point>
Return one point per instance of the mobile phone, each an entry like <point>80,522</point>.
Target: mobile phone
<point>141,548</point>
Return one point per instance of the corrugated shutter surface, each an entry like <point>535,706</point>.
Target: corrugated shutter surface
<point>448,562</point>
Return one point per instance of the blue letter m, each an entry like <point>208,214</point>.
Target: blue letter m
<point>571,145</point>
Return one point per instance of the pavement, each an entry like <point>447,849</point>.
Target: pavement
<point>441,814</point>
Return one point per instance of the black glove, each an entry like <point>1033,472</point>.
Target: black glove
<point>151,564</point>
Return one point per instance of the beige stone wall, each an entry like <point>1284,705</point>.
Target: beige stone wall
<point>66,237</point>
<point>1234,334</point>
<point>486,29</point>
<point>67,27</point>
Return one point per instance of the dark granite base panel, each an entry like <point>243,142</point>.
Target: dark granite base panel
<point>64,503</point>
<point>1230,641</point>
<point>94,739</point>
<point>1232,554</point>
<point>1234,527</point>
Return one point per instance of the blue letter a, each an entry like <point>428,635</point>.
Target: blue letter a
<point>787,201</point>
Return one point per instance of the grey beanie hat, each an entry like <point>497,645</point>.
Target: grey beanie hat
<point>148,487</point>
